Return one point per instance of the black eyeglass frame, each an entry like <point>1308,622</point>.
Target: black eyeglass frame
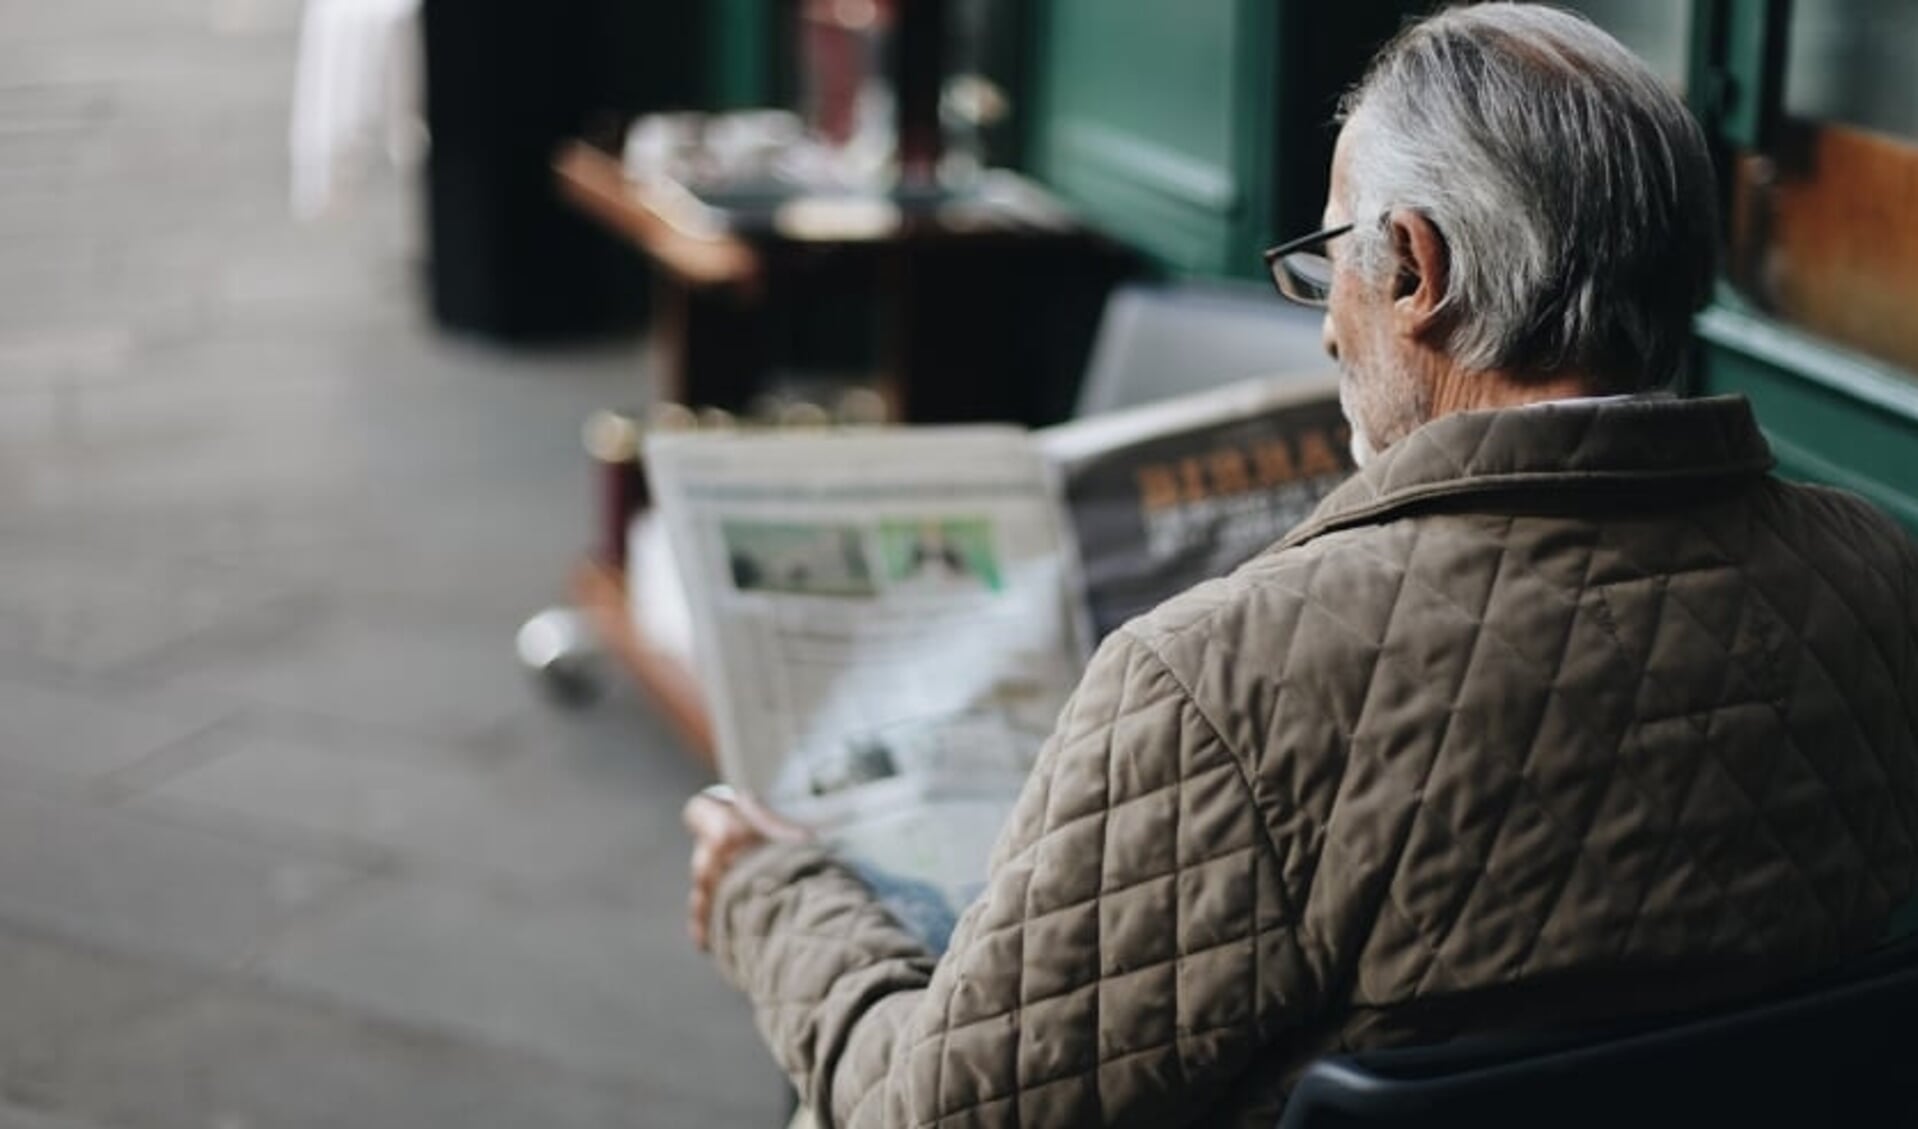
<point>1275,262</point>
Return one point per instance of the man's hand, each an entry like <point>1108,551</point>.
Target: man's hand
<point>725,826</point>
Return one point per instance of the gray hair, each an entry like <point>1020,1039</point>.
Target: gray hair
<point>1573,190</point>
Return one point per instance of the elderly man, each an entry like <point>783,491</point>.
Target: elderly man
<point>1562,709</point>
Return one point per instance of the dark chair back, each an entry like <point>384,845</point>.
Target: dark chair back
<point>1841,1054</point>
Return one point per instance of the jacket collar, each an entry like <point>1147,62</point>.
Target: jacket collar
<point>1550,449</point>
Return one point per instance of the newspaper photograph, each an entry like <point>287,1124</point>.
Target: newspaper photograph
<point>883,623</point>
<point>1164,496</point>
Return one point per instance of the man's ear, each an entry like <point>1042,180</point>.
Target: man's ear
<point>1423,273</point>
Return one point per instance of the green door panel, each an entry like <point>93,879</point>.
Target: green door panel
<point>742,41</point>
<point>1161,73</point>
<point>1196,130</point>
<point>1155,118</point>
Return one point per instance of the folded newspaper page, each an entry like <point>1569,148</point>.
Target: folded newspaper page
<point>887,622</point>
<point>884,625</point>
<point>1166,495</point>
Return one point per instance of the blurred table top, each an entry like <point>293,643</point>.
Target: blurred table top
<point>719,236</point>
<point>593,181</point>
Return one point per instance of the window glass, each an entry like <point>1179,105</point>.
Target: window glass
<point>1824,224</point>
<point>1854,62</point>
<point>1658,30</point>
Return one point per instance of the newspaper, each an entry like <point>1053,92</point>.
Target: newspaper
<point>1169,494</point>
<point>883,622</point>
<point>888,621</point>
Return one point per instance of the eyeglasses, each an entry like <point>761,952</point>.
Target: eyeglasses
<point>1300,269</point>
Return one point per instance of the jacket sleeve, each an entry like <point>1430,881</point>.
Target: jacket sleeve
<point>1129,956</point>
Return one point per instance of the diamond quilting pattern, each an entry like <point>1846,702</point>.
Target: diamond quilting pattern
<point>1490,720</point>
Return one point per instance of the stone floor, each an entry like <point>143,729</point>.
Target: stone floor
<point>286,838</point>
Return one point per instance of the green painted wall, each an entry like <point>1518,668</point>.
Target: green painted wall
<point>742,38</point>
<point>1199,131</point>
<point>1154,118</point>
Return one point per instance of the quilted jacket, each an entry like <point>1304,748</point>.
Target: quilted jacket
<point>1549,715</point>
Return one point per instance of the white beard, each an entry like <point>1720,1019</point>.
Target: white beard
<point>1362,451</point>
<point>1361,444</point>
<point>1388,402</point>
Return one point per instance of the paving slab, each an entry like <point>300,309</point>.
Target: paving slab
<point>134,1043</point>
<point>286,837</point>
<point>393,665</point>
<point>131,881</point>
<point>553,816</point>
<point>597,987</point>
<point>82,733</point>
